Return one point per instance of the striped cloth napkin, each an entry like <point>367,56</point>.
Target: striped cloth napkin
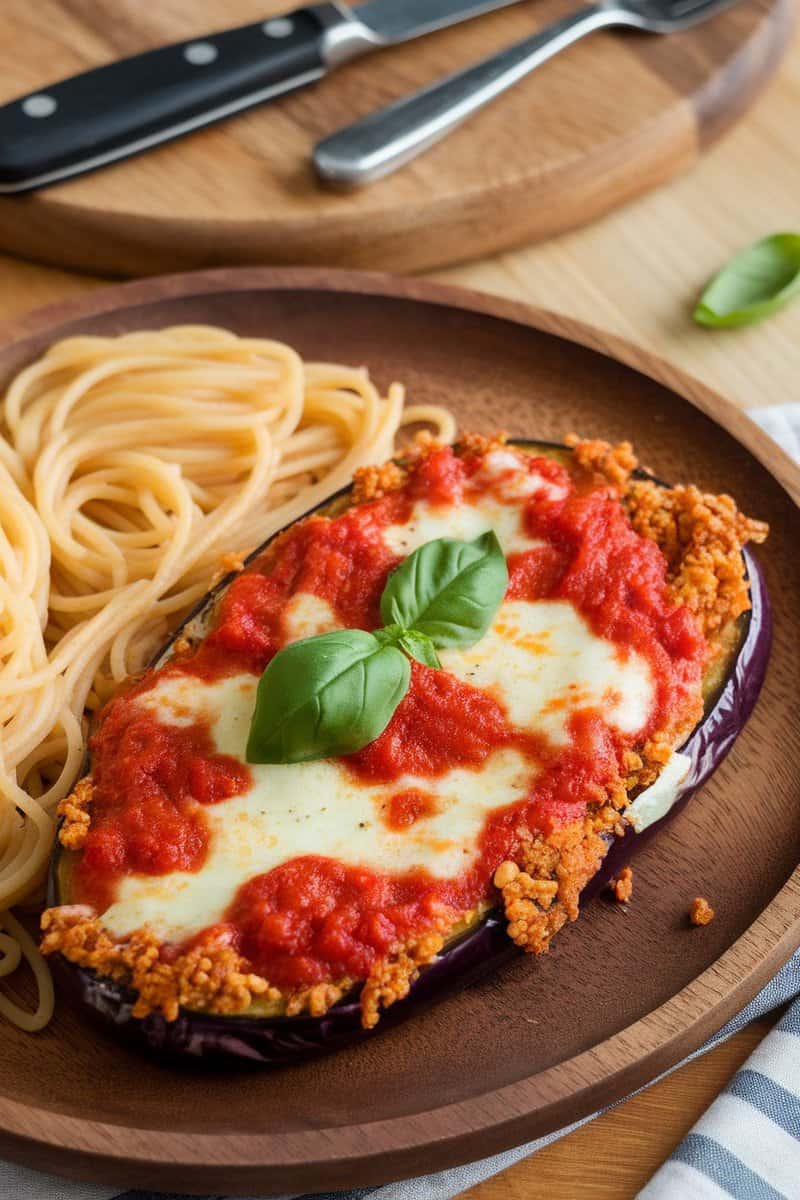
<point>746,1146</point>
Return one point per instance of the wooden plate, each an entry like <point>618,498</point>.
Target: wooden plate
<point>614,116</point>
<point>622,995</point>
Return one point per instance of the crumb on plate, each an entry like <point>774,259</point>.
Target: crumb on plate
<point>622,886</point>
<point>700,912</point>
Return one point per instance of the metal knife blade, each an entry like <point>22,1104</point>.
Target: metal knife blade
<point>129,106</point>
<point>400,20</point>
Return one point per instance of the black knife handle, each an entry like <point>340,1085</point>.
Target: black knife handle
<point>130,105</point>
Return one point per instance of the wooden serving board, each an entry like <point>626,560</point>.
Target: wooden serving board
<point>610,118</point>
<point>623,994</point>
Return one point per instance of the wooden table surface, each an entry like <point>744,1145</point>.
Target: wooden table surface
<point>636,273</point>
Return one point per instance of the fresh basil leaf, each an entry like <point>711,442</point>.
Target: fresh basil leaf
<point>447,589</point>
<point>420,647</point>
<point>757,282</point>
<point>326,695</point>
<point>390,634</point>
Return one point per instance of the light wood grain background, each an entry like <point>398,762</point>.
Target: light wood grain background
<point>564,146</point>
<point>636,273</point>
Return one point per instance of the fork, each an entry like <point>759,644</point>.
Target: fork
<point>392,136</point>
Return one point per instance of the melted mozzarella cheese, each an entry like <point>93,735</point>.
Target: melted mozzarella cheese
<point>305,808</point>
<point>307,615</point>
<point>468,521</point>
<point>511,483</point>
<point>498,508</point>
<point>541,661</point>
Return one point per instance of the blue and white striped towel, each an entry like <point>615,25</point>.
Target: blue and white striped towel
<point>746,1146</point>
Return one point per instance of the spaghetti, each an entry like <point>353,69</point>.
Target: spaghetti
<point>128,465</point>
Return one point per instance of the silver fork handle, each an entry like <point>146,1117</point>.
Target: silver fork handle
<point>387,139</point>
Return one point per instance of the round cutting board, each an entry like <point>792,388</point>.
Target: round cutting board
<point>623,994</point>
<point>608,119</point>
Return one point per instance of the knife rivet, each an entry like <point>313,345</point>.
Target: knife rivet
<point>278,27</point>
<point>200,54</point>
<point>39,106</point>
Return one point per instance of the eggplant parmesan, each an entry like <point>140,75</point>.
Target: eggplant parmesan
<point>191,884</point>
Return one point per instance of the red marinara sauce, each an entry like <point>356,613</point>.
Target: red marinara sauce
<point>313,918</point>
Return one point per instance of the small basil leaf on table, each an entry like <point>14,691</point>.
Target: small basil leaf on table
<point>757,282</point>
<point>448,590</point>
<point>326,695</point>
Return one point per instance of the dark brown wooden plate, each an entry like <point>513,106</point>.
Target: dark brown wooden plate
<point>623,994</point>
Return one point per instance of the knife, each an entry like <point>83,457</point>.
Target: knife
<point>115,111</point>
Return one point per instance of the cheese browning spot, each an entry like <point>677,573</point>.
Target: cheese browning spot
<point>543,662</point>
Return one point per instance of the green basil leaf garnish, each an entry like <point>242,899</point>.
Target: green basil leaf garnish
<point>420,647</point>
<point>390,634</point>
<point>334,694</point>
<point>448,590</point>
<point>757,282</point>
<point>326,695</point>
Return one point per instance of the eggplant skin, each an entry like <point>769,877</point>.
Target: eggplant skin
<point>279,1041</point>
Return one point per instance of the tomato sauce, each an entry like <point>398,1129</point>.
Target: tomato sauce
<point>441,723</point>
<point>151,781</point>
<point>313,918</point>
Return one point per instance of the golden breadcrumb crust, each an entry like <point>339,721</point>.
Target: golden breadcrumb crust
<point>701,537</point>
<point>701,912</point>
<point>540,891</point>
<point>390,979</point>
<point>74,813</point>
<point>233,561</point>
<point>602,461</point>
<point>475,445</point>
<point>622,886</point>
<point>371,483</point>
<point>228,563</point>
<point>315,1000</point>
<point>211,976</point>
